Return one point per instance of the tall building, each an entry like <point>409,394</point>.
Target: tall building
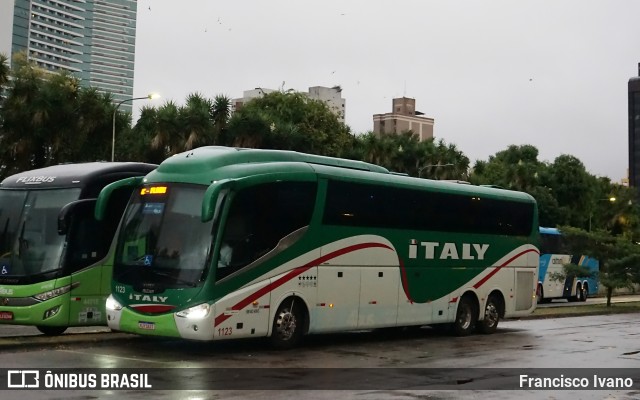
<point>94,40</point>
<point>402,118</point>
<point>330,96</point>
<point>634,130</point>
<point>247,95</point>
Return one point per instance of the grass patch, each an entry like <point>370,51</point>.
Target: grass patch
<point>591,309</point>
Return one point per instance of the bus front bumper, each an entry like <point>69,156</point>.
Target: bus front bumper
<point>53,312</point>
<point>125,319</point>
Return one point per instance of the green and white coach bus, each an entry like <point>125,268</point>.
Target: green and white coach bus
<point>222,243</point>
<point>53,272</point>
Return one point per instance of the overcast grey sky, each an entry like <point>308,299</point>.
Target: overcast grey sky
<point>550,73</point>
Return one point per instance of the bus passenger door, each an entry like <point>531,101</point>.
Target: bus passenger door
<point>338,298</point>
<point>378,296</point>
<point>87,245</point>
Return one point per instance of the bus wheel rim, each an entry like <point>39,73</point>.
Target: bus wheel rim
<point>286,325</point>
<point>465,317</point>
<point>491,314</point>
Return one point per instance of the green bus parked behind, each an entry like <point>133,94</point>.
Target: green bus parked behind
<point>53,272</point>
<point>222,243</point>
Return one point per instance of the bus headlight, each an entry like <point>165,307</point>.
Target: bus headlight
<point>50,294</point>
<point>196,312</point>
<point>112,304</point>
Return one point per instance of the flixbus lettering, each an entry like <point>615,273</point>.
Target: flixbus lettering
<point>447,250</point>
<point>145,297</point>
<point>30,180</point>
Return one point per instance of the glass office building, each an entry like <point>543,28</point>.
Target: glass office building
<point>95,40</point>
<point>634,130</point>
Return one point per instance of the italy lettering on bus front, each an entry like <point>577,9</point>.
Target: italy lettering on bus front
<point>448,250</point>
<point>141,297</point>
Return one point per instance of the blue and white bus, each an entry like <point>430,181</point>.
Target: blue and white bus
<point>552,260</point>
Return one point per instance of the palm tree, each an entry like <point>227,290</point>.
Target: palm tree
<point>220,114</point>
<point>167,138</point>
<point>21,142</point>
<point>4,69</point>
<point>195,121</point>
<point>93,124</point>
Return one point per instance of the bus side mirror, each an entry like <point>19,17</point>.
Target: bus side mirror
<point>66,212</point>
<point>211,197</point>
<point>105,194</point>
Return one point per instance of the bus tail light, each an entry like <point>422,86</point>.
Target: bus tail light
<point>196,312</point>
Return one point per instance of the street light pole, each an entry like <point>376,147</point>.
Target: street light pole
<point>113,136</point>
<point>432,165</point>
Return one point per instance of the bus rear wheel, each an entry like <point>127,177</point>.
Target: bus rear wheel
<point>539,295</point>
<point>466,317</point>
<point>585,292</point>
<point>52,330</point>
<point>489,323</point>
<point>579,293</point>
<point>287,325</point>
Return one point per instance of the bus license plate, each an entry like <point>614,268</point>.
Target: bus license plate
<point>6,315</point>
<point>147,325</point>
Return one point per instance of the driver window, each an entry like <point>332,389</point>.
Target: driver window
<point>88,239</point>
<point>259,217</point>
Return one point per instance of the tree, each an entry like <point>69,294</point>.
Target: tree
<point>405,153</point>
<point>4,69</point>
<point>516,168</point>
<point>47,118</point>
<point>135,143</point>
<point>574,190</point>
<point>170,129</point>
<point>619,258</point>
<point>167,138</point>
<point>288,121</point>
<point>220,115</point>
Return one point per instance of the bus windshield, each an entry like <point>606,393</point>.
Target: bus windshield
<point>29,241</point>
<point>163,240</point>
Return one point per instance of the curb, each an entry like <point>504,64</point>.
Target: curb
<point>18,342</point>
<point>585,314</point>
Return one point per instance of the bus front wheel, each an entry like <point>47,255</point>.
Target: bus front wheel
<point>52,330</point>
<point>287,325</point>
<point>466,317</point>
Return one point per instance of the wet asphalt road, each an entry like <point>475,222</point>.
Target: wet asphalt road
<point>611,341</point>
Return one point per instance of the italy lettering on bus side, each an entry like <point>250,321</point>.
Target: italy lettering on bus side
<point>30,180</point>
<point>146,297</point>
<point>447,250</point>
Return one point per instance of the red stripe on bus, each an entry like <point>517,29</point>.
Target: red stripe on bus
<point>495,270</point>
<point>153,308</point>
<point>405,283</point>
<point>292,274</point>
